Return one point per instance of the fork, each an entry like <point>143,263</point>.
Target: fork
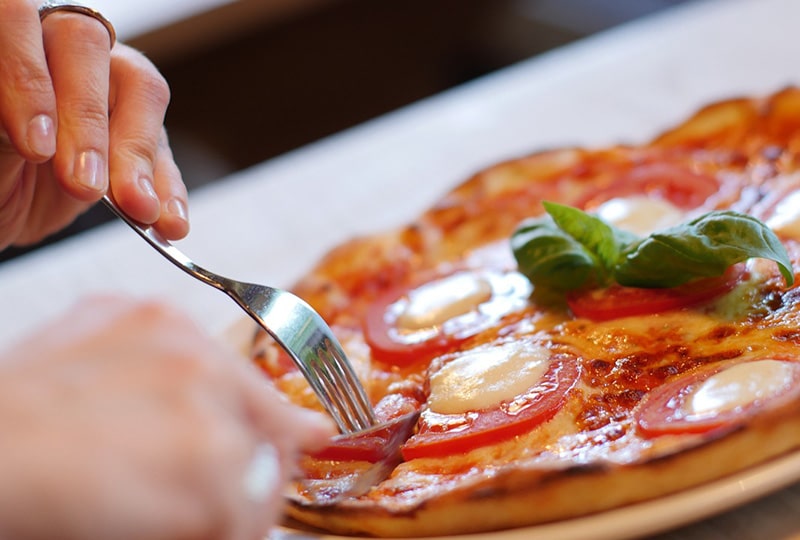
<point>299,329</point>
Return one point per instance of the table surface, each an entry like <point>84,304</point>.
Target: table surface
<point>167,30</point>
<point>270,223</point>
<point>133,18</point>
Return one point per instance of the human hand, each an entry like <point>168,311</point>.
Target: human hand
<point>122,420</point>
<point>74,114</point>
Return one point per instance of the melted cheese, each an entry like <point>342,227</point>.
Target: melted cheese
<point>785,220</point>
<point>484,378</point>
<point>438,301</point>
<point>739,386</point>
<point>639,214</point>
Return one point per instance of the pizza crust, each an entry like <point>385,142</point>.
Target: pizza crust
<point>520,496</point>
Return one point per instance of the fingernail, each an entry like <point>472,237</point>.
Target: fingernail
<point>90,170</point>
<point>146,187</point>
<point>177,208</point>
<point>42,136</point>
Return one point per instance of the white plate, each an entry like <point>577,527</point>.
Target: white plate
<point>639,519</point>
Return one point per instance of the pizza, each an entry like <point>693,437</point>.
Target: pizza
<point>578,329</point>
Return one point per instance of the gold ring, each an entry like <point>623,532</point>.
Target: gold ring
<point>51,6</point>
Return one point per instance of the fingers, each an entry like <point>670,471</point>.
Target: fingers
<point>27,101</point>
<point>32,204</point>
<point>145,181</point>
<point>279,434</point>
<point>275,434</point>
<point>98,114</point>
<point>253,439</point>
<point>203,427</point>
<point>243,479</point>
<point>17,182</point>
<point>271,415</point>
<point>173,221</point>
<point>139,98</point>
<point>79,69</point>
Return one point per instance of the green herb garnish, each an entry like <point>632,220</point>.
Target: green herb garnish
<point>569,249</point>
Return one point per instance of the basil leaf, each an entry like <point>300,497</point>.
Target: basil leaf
<point>704,247</point>
<point>551,258</point>
<point>569,249</point>
<point>603,241</point>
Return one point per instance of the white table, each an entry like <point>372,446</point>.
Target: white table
<point>273,221</point>
<point>167,29</point>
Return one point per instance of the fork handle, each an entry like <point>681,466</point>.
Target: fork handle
<point>163,246</point>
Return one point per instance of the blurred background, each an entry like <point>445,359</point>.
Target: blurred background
<point>252,79</point>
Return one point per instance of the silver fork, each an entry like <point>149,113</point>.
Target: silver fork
<point>299,329</point>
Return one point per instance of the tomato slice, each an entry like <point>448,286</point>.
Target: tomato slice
<point>665,409</point>
<point>616,301</point>
<point>397,414</point>
<point>446,434</point>
<point>673,182</point>
<point>394,344</point>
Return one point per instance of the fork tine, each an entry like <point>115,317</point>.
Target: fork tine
<point>337,398</point>
<point>309,341</point>
<point>316,352</point>
<point>356,401</point>
<point>325,391</point>
<point>331,377</point>
<point>349,395</point>
<point>341,394</point>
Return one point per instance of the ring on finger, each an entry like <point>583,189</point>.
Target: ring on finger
<point>51,6</point>
<point>262,474</point>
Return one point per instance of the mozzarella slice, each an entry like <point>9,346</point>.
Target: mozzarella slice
<point>640,214</point>
<point>739,386</point>
<point>438,301</point>
<point>484,378</point>
<point>785,220</point>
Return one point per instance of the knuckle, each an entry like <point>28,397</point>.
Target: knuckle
<point>28,78</point>
<point>143,77</point>
<point>93,34</point>
<point>155,87</point>
<point>85,111</point>
<point>138,145</point>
